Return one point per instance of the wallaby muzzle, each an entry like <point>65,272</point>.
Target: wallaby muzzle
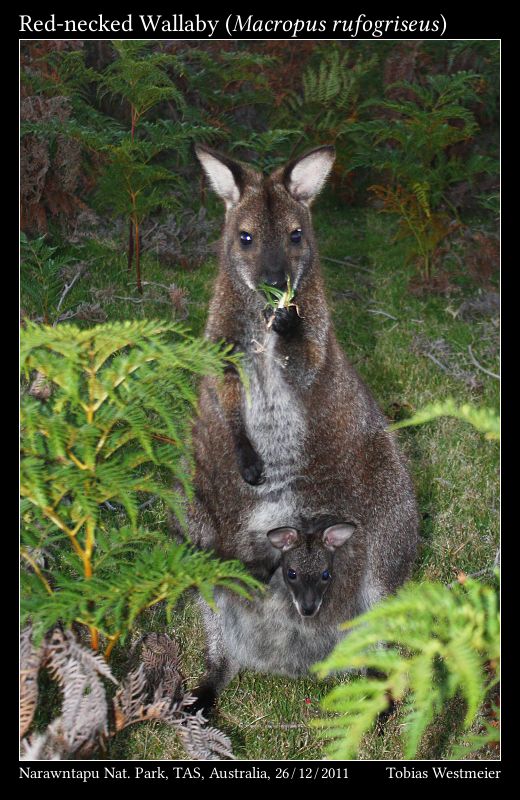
<point>309,601</point>
<point>308,610</point>
<point>276,279</point>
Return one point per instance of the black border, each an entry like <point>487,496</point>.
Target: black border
<point>474,23</point>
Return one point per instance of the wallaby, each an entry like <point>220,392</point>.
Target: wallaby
<point>296,622</point>
<point>304,439</point>
<point>307,561</point>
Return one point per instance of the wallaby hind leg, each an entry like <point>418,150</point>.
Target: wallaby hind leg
<point>220,668</point>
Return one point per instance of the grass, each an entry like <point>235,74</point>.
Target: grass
<point>379,323</point>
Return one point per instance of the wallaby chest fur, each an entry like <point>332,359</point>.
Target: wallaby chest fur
<point>269,635</point>
<point>274,417</point>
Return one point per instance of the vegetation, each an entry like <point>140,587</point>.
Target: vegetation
<point>413,146</point>
<point>41,279</point>
<point>152,690</point>
<point>427,645</point>
<point>420,326</point>
<point>276,298</point>
<point>133,183</point>
<point>483,419</point>
<point>328,101</point>
<point>111,432</point>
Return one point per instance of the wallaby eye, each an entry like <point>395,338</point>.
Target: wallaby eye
<point>291,574</point>
<point>296,236</point>
<point>326,576</point>
<point>245,238</point>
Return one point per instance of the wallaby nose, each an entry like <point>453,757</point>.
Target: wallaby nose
<point>308,610</point>
<point>278,280</point>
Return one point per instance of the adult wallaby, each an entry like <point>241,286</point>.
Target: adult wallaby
<point>305,438</point>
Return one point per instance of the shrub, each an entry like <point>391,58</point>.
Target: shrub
<point>411,145</point>
<point>113,431</point>
<point>427,644</point>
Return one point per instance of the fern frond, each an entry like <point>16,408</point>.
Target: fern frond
<point>429,643</point>
<point>114,429</point>
<point>485,420</point>
<point>203,742</point>
<point>30,660</point>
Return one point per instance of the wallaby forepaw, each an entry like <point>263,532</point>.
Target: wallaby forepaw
<point>250,464</point>
<point>253,473</point>
<point>285,320</point>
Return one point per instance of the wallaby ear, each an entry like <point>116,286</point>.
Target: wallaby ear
<point>283,538</point>
<point>337,535</point>
<point>225,175</point>
<point>305,176</point>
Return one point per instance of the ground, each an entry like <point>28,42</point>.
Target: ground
<point>410,350</point>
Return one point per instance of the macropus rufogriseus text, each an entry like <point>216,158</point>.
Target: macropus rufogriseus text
<point>306,439</point>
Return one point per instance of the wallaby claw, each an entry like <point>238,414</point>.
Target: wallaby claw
<point>267,313</point>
